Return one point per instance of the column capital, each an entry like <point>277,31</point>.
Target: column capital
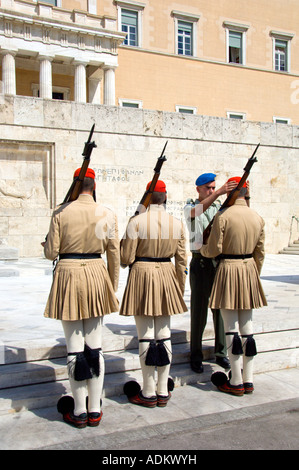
<point>45,57</point>
<point>80,62</point>
<point>12,52</point>
<point>109,67</point>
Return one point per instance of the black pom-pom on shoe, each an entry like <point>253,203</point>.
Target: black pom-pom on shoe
<point>65,404</point>
<point>170,384</point>
<point>218,378</point>
<point>131,388</point>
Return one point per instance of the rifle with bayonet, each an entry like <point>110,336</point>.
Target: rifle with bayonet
<point>146,198</point>
<point>231,198</point>
<point>76,185</point>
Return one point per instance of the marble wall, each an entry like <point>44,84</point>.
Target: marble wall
<point>42,141</point>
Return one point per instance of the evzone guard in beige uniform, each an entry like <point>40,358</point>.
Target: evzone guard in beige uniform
<point>82,292</point>
<point>153,293</point>
<point>237,238</point>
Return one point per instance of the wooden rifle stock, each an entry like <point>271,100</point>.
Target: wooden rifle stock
<point>231,198</point>
<point>146,198</point>
<point>76,185</point>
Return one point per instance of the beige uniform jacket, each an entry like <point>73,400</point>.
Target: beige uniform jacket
<point>156,234</point>
<point>154,288</point>
<point>83,226</point>
<point>238,230</point>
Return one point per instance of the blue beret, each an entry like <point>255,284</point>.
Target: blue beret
<point>205,178</point>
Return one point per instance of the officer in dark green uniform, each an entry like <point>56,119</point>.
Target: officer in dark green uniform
<point>198,215</point>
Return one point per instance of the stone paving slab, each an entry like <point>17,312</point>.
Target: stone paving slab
<point>191,407</point>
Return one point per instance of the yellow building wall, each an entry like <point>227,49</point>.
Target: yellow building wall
<point>26,78</point>
<point>261,16</point>
<point>162,82</point>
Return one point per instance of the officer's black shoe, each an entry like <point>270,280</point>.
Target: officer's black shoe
<point>223,362</point>
<point>197,367</point>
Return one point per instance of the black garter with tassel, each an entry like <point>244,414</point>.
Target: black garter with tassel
<point>250,346</point>
<point>86,365</point>
<point>157,354</point>
<point>236,344</point>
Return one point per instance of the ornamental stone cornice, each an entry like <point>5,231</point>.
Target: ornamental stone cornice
<point>42,29</point>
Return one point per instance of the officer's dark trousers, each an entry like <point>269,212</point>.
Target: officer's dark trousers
<point>202,273</point>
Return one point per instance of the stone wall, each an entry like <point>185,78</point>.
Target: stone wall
<point>42,141</point>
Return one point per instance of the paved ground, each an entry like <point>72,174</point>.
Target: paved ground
<point>197,417</point>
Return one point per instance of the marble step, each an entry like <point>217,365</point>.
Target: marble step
<point>37,396</point>
<point>49,370</point>
<point>54,369</point>
<point>271,319</point>
<point>292,248</point>
<point>49,348</point>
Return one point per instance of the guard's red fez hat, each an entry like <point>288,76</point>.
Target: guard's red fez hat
<point>237,179</point>
<point>89,173</point>
<point>159,188</point>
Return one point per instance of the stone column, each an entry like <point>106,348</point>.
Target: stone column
<point>94,87</point>
<point>45,77</point>
<point>9,73</point>
<point>109,85</point>
<point>80,82</point>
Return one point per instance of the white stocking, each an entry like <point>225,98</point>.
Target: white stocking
<point>238,321</point>
<point>93,337</point>
<point>77,333</point>
<point>246,328</point>
<point>145,330</point>
<point>153,328</point>
<point>162,329</point>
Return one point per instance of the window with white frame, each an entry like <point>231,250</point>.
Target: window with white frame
<point>281,120</point>
<point>235,47</point>
<point>185,33</point>
<point>235,42</point>
<point>281,51</point>
<point>186,109</point>
<point>129,25</point>
<point>234,115</point>
<point>52,2</point>
<point>124,103</point>
<point>129,15</point>
<point>281,55</point>
<point>185,38</point>
<point>55,3</point>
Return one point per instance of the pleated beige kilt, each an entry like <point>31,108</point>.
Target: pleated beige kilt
<point>152,289</point>
<point>81,289</point>
<point>237,285</point>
